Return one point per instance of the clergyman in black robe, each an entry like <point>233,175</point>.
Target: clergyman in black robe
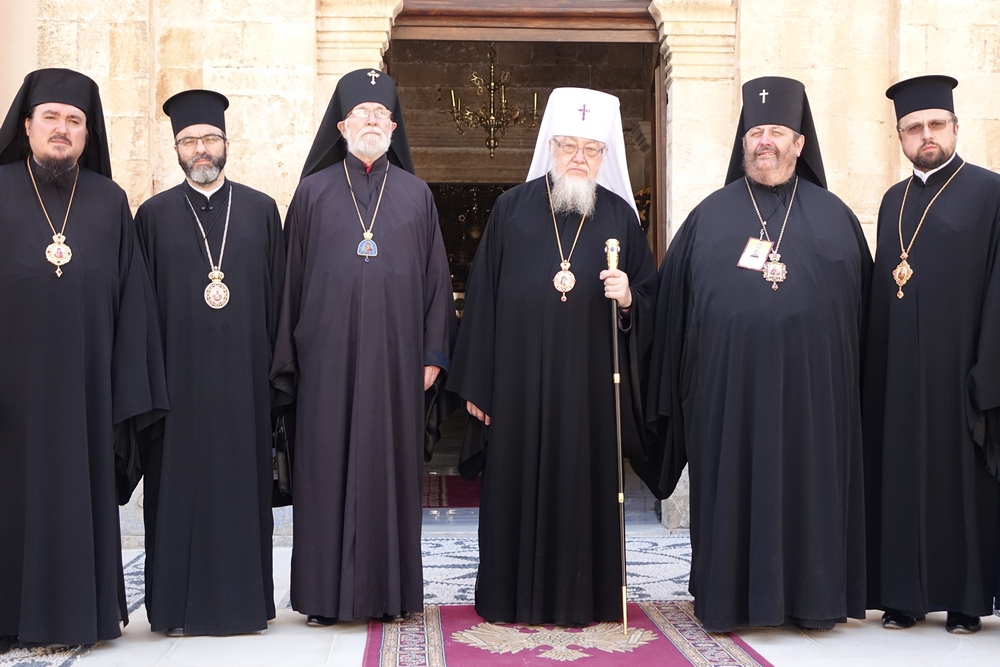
<point>755,379</point>
<point>535,365</point>
<point>363,332</point>
<point>932,376</point>
<point>81,369</point>
<point>208,472</point>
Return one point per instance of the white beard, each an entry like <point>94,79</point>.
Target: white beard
<point>573,194</point>
<point>369,147</point>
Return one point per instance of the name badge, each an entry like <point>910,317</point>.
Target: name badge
<point>755,254</point>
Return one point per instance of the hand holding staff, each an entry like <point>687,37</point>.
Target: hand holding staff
<point>612,248</point>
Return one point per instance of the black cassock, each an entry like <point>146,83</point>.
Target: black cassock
<point>758,391</point>
<point>79,357</point>
<point>356,335</point>
<point>931,392</point>
<point>542,370</point>
<point>208,466</point>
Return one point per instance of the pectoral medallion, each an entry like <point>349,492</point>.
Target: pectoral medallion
<point>368,248</point>
<point>901,274</point>
<point>564,280</point>
<point>775,271</point>
<point>58,253</point>
<point>216,293</point>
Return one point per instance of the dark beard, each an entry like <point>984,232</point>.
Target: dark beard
<point>56,171</point>
<point>928,163</point>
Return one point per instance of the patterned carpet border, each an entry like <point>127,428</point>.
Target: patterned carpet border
<point>677,622</point>
<point>47,656</point>
<point>422,641</point>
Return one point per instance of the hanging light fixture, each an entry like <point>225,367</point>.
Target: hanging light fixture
<point>494,116</point>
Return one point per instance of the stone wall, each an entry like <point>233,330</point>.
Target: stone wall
<point>960,38</point>
<point>698,45</point>
<point>847,52</point>
<point>18,47</point>
<point>278,62</point>
<point>261,54</point>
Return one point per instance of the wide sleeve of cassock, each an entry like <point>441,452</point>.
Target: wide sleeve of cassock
<point>139,388</point>
<point>275,275</point>
<point>984,378</point>
<point>636,336</point>
<point>439,326</point>
<point>867,271</point>
<point>439,302</point>
<point>284,368</point>
<point>472,365</point>
<point>667,451</point>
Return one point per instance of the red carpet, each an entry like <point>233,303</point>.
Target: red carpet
<point>450,491</point>
<point>660,634</point>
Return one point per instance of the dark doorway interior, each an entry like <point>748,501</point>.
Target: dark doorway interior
<point>464,209</point>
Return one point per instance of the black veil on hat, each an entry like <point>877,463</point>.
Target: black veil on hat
<point>354,88</point>
<point>922,92</point>
<point>63,86</point>
<point>777,100</point>
<point>196,107</point>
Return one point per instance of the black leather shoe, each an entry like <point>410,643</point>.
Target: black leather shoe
<point>318,621</point>
<point>960,624</point>
<point>897,620</point>
<point>7,643</point>
<point>392,618</point>
<point>175,632</point>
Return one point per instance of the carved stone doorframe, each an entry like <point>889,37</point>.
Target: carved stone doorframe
<point>701,82</point>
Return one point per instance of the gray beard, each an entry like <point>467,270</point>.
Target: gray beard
<point>368,149</point>
<point>56,171</point>
<point>759,175</point>
<point>573,195</point>
<point>204,174</point>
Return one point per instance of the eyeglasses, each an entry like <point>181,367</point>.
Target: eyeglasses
<point>571,149</point>
<point>361,112</point>
<point>917,129</point>
<point>210,141</point>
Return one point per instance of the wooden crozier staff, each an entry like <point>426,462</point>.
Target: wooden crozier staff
<point>612,248</point>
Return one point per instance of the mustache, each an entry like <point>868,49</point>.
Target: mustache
<point>202,156</point>
<point>61,137</point>
<point>760,149</point>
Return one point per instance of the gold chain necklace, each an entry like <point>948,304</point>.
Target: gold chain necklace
<point>367,248</point>
<point>903,272</point>
<point>57,252</point>
<point>774,271</point>
<point>564,280</point>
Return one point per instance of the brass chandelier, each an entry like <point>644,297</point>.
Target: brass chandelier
<point>493,116</point>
